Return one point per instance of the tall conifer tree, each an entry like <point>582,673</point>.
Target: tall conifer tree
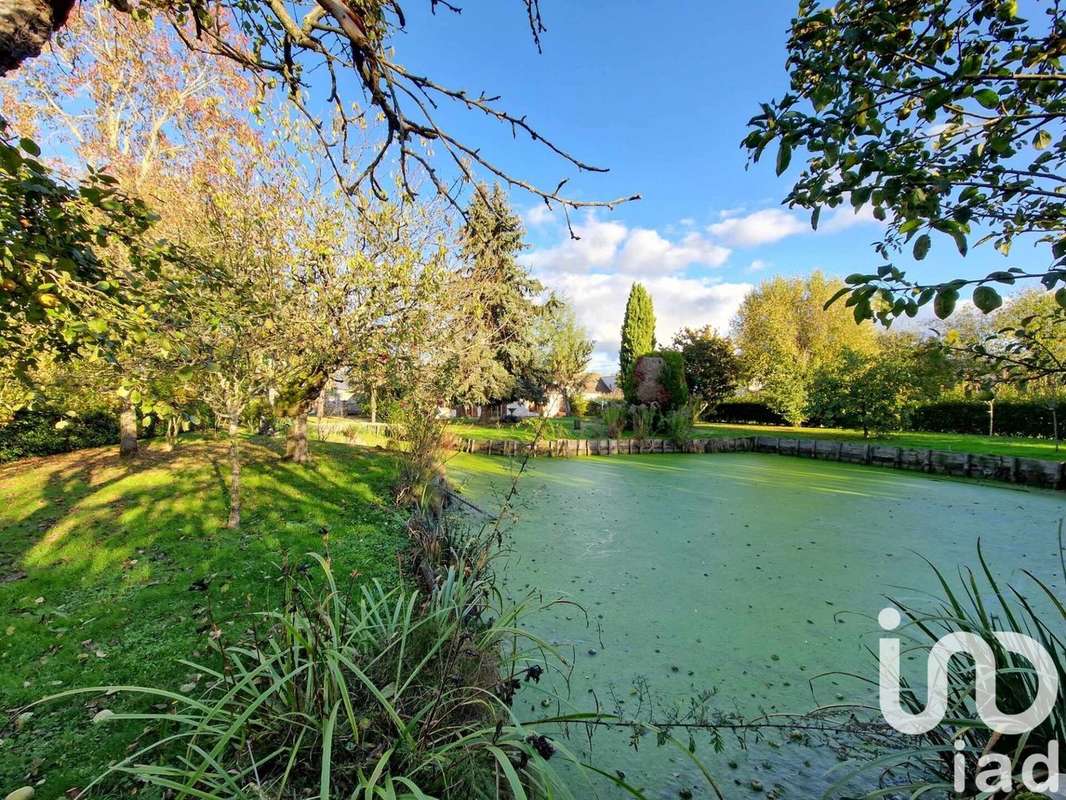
<point>638,335</point>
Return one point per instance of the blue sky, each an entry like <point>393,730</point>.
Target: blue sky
<point>659,93</point>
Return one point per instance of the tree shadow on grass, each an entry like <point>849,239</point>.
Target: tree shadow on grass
<point>128,568</point>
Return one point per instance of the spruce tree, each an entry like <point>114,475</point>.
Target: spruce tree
<point>498,302</point>
<point>638,335</point>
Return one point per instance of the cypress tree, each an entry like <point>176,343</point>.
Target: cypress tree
<point>638,335</point>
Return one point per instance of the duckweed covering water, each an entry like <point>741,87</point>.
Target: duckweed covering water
<point>745,574</point>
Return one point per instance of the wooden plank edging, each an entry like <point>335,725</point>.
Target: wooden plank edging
<point>1037,472</point>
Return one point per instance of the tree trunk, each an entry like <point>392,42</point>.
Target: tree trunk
<point>296,443</point>
<point>373,404</point>
<point>1055,425</point>
<point>320,408</point>
<point>127,431</point>
<point>172,433</point>
<point>26,27</point>
<point>991,417</point>
<point>234,478</point>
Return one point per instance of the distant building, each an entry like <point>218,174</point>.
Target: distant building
<point>601,388</point>
<point>554,405</point>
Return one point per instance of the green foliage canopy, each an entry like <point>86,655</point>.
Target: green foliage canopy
<point>785,335</point>
<point>945,118</point>
<point>80,275</point>
<point>712,368</point>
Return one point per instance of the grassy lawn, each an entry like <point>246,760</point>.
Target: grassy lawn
<point>557,428</point>
<point>593,428</point>
<point>111,572</point>
<point>957,442</point>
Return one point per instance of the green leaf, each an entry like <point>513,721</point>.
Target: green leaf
<point>29,146</point>
<point>1001,277</point>
<point>1060,296</point>
<point>987,97</point>
<point>836,296</point>
<point>944,303</point>
<point>921,246</point>
<point>784,156</point>
<point>1042,139</point>
<point>327,753</point>
<point>986,299</point>
<point>10,159</point>
<point>960,242</point>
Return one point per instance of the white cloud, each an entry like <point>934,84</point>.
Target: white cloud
<point>844,217</point>
<point>600,300</point>
<point>645,250</point>
<point>596,271</point>
<point>632,250</point>
<point>538,215</point>
<point>729,213</point>
<point>770,225</point>
<point>760,227</point>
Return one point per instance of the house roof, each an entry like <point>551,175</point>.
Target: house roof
<point>607,384</point>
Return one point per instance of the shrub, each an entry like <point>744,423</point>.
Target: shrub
<point>1011,417</point>
<point>643,421</point>
<point>34,433</point>
<point>417,433</point>
<point>614,417</point>
<point>746,412</point>
<point>679,426</point>
<point>579,405</point>
<point>387,695</point>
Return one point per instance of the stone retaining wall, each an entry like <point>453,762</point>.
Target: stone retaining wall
<point>1012,469</point>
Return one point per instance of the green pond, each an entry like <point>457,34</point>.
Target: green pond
<point>743,574</point>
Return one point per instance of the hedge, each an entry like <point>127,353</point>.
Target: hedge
<point>1011,418</point>
<point>34,433</point>
<point>745,413</point>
